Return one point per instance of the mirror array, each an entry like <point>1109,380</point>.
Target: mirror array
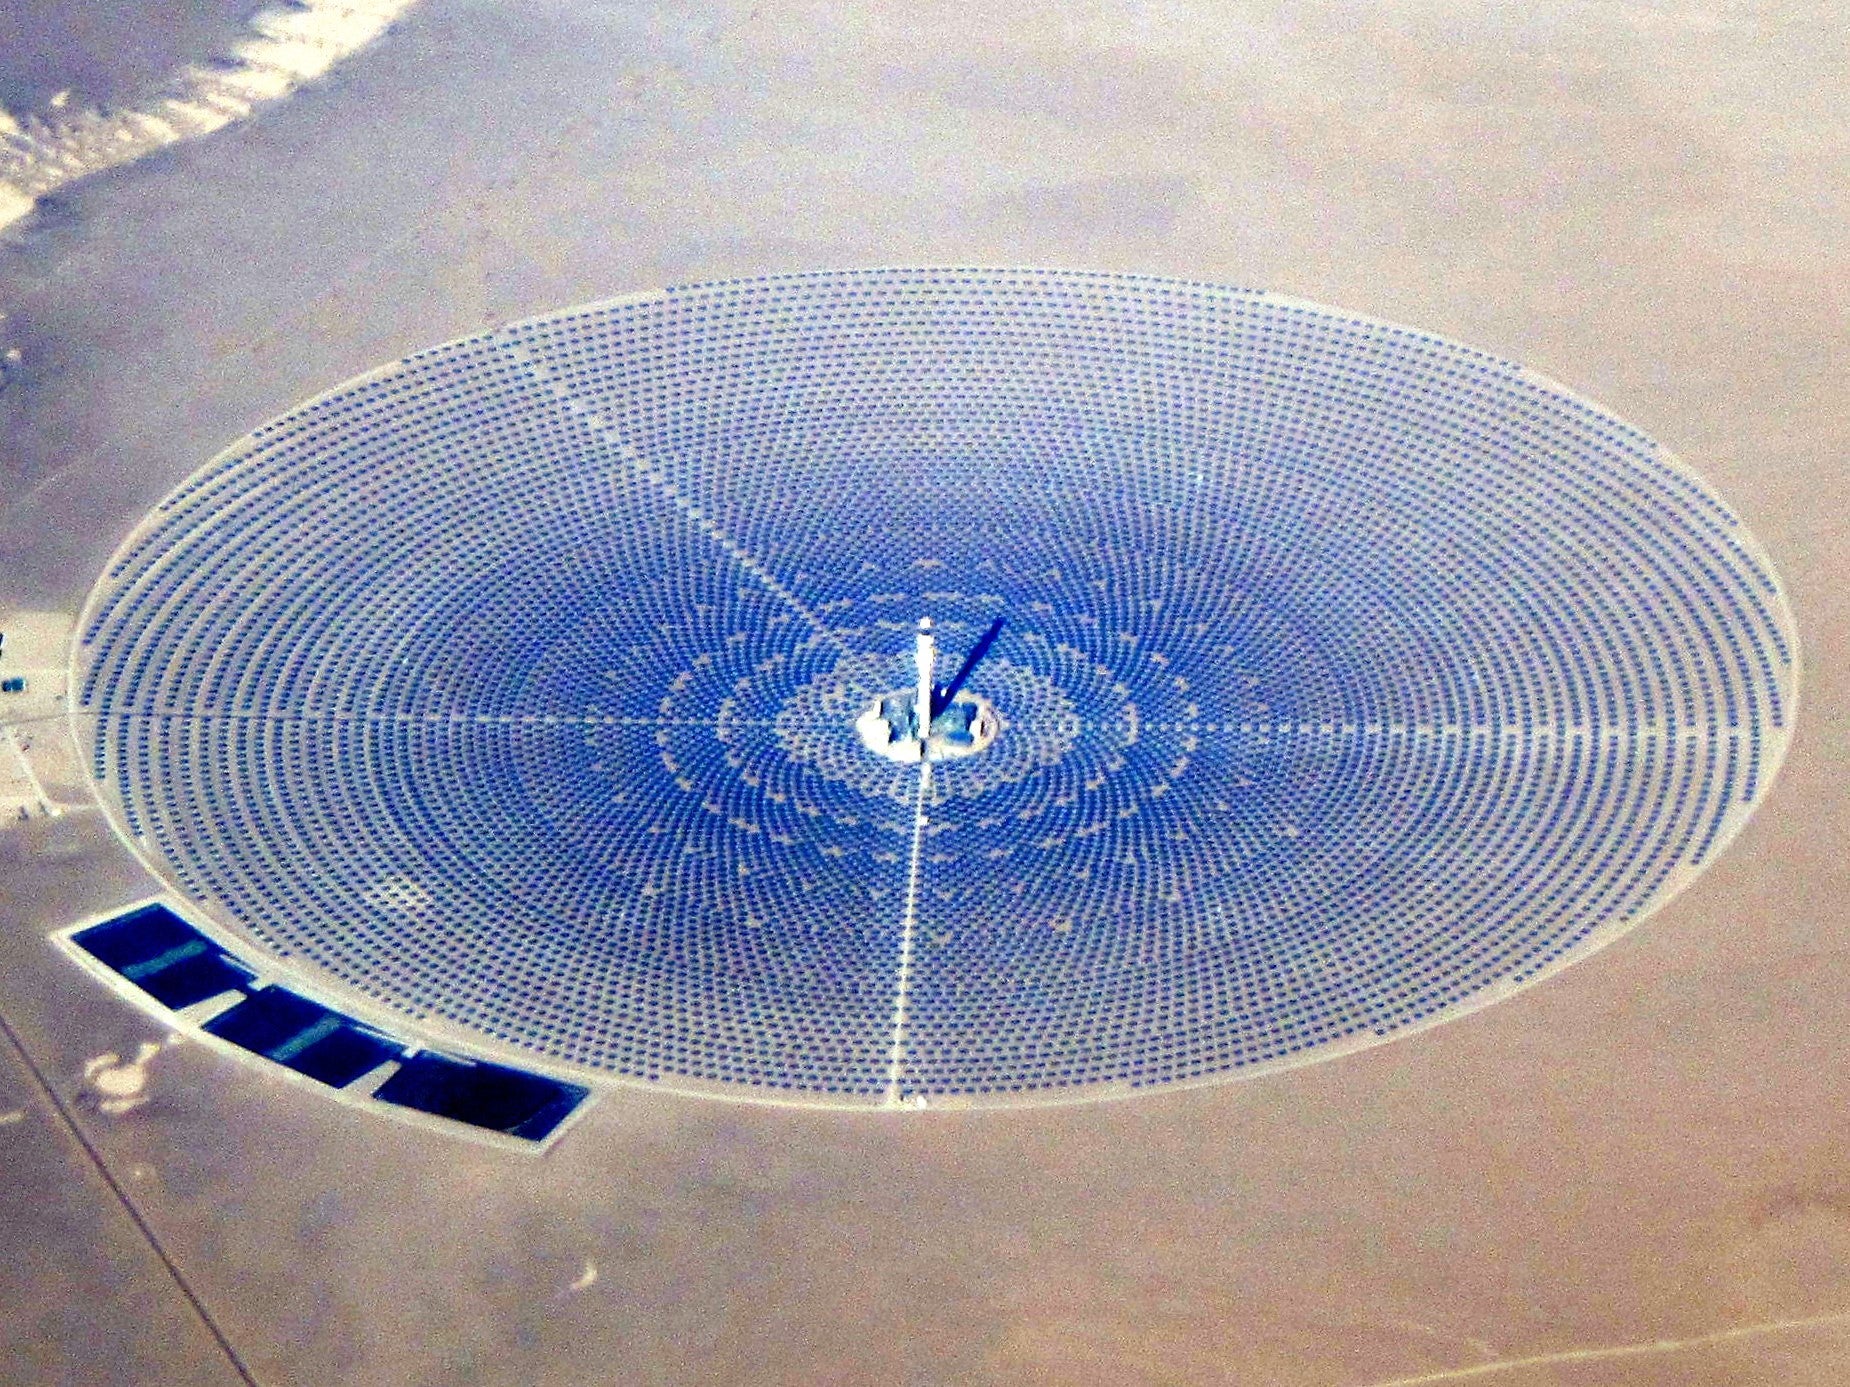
<point>1349,678</point>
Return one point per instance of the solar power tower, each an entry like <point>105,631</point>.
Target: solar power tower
<point>1347,679</point>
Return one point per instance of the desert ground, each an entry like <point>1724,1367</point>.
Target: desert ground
<point>1634,1173</point>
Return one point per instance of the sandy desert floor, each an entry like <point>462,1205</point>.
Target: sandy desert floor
<point>1633,1174</point>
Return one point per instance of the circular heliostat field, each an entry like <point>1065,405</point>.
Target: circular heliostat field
<point>557,688</point>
